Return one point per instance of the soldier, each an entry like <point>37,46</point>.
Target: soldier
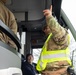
<point>54,58</point>
<point>7,17</point>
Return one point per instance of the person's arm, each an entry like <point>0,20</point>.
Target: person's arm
<point>13,27</point>
<point>59,33</point>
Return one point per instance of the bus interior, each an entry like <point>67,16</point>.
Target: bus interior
<point>30,21</point>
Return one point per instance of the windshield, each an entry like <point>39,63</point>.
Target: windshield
<point>68,7</point>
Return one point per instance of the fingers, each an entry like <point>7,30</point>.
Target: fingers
<point>48,9</point>
<point>51,8</point>
<point>46,12</point>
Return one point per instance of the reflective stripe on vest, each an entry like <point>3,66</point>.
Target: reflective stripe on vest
<point>51,56</point>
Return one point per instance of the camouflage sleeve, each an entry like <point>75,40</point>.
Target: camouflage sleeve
<point>13,27</point>
<point>59,33</point>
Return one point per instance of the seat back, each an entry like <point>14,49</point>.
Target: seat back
<point>10,34</point>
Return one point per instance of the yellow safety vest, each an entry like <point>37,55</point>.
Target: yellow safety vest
<point>51,56</point>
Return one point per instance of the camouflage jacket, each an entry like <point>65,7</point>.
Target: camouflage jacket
<point>58,41</point>
<point>7,17</point>
<point>59,38</point>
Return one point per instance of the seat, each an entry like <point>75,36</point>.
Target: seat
<point>10,34</point>
<point>11,71</point>
<point>10,59</point>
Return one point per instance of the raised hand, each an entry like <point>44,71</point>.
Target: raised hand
<point>48,12</point>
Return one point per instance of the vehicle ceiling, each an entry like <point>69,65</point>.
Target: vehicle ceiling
<point>30,18</point>
<point>29,13</point>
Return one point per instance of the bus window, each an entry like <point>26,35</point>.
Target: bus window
<point>68,7</point>
<point>36,54</point>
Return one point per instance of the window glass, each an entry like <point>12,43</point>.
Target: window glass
<point>68,7</point>
<point>23,41</point>
<point>36,54</point>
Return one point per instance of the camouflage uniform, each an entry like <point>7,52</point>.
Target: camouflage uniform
<point>8,18</point>
<point>58,41</point>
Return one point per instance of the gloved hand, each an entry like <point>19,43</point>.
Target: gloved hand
<point>70,70</point>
